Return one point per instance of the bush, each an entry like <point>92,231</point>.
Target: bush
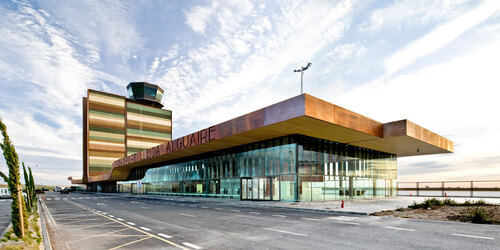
<point>428,203</point>
<point>478,215</point>
<point>450,202</point>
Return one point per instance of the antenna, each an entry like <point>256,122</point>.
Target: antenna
<point>301,70</point>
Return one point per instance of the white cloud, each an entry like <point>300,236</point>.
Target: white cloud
<point>217,70</point>
<point>455,98</point>
<point>197,17</point>
<point>440,36</point>
<point>154,65</point>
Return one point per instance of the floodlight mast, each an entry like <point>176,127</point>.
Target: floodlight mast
<point>301,70</point>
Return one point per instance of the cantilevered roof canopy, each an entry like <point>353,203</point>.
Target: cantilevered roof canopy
<point>303,114</point>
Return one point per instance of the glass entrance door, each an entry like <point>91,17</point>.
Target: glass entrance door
<point>256,188</point>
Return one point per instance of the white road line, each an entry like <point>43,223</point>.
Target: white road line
<point>234,210</point>
<point>49,199</point>
<point>72,198</point>
<point>349,223</point>
<point>402,229</point>
<point>309,219</point>
<point>165,236</point>
<point>145,207</point>
<point>218,208</point>
<point>182,205</point>
<point>111,216</point>
<point>254,212</point>
<point>285,232</point>
<point>131,223</point>
<point>204,207</point>
<point>192,205</point>
<point>56,199</point>
<point>120,219</point>
<point>473,236</point>
<point>98,211</point>
<point>188,215</point>
<point>135,202</point>
<point>145,228</point>
<point>191,245</point>
<point>279,215</point>
<point>104,213</point>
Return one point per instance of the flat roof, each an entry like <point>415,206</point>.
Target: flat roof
<point>303,114</point>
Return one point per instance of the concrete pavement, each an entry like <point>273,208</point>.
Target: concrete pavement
<point>196,224</point>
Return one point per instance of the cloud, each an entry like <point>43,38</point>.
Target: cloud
<point>453,98</point>
<point>46,68</point>
<point>242,55</point>
<point>440,36</point>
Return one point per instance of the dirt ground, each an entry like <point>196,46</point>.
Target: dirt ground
<point>443,213</point>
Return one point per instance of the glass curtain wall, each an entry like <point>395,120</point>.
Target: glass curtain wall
<point>291,168</point>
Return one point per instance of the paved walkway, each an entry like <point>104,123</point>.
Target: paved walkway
<point>351,206</point>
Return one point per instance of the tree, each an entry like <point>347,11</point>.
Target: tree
<point>28,189</point>
<point>19,215</point>
<point>33,190</point>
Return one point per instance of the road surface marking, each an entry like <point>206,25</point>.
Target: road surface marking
<point>285,232</point>
<point>254,212</point>
<point>131,223</point>
<point>120,219</point>
<point>130,243</point>
<point>73,198</point>
<point>104,213</point>
<point>49,199</point>
<point>402,229</point>
<point>135,202</point>
<point>145,228</point>
<point>473,236</point>
<point>165,236</point>
<point>218,208</point>
<point>309,219</point>
<point>279,215</point>
<point>347,222</point>
<point>191,245</point>
<point>111,216</point>
<point>145,207</point>
<point>102,204</point>
<point>65,198</point>
<point>204,207</point>
<point>188,215</point>
<point>192,205</point>
<point>234,210</point>
<point>98,211</point>
<point>182,205</point>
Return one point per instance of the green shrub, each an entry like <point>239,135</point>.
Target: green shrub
<point>450,202</point>
<point>478,215</point>
<point>428,203</point>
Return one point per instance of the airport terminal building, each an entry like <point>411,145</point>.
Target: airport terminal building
<point>300,149</point>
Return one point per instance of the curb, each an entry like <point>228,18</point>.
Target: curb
<point>248,205</point>
<point>45,234</point>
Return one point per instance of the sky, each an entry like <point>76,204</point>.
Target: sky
<point>433,62</point>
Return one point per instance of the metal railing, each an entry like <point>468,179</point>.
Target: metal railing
<point>476,189</point>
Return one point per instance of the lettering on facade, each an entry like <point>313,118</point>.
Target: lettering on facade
<point>191,140</point>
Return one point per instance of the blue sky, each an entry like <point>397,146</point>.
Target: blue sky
<point>432,62</point>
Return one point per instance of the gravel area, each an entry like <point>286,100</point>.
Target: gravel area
<point>443,213</point>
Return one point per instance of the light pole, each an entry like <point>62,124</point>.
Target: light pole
<point>301,70</point>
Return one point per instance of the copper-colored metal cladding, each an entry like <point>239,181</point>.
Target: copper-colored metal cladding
<point>303,114</point>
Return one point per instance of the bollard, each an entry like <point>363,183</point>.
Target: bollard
<point>342,204</point>
<point>44,197</point>
<point>445,195</point>
<point>410,194</point>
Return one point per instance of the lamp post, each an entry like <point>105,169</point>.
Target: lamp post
<point>301,70</point>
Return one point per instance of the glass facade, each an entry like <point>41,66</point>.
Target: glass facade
<point>290,168</point>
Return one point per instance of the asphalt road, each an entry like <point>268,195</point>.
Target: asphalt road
<point>91,221</point>
<point>4,214</point>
